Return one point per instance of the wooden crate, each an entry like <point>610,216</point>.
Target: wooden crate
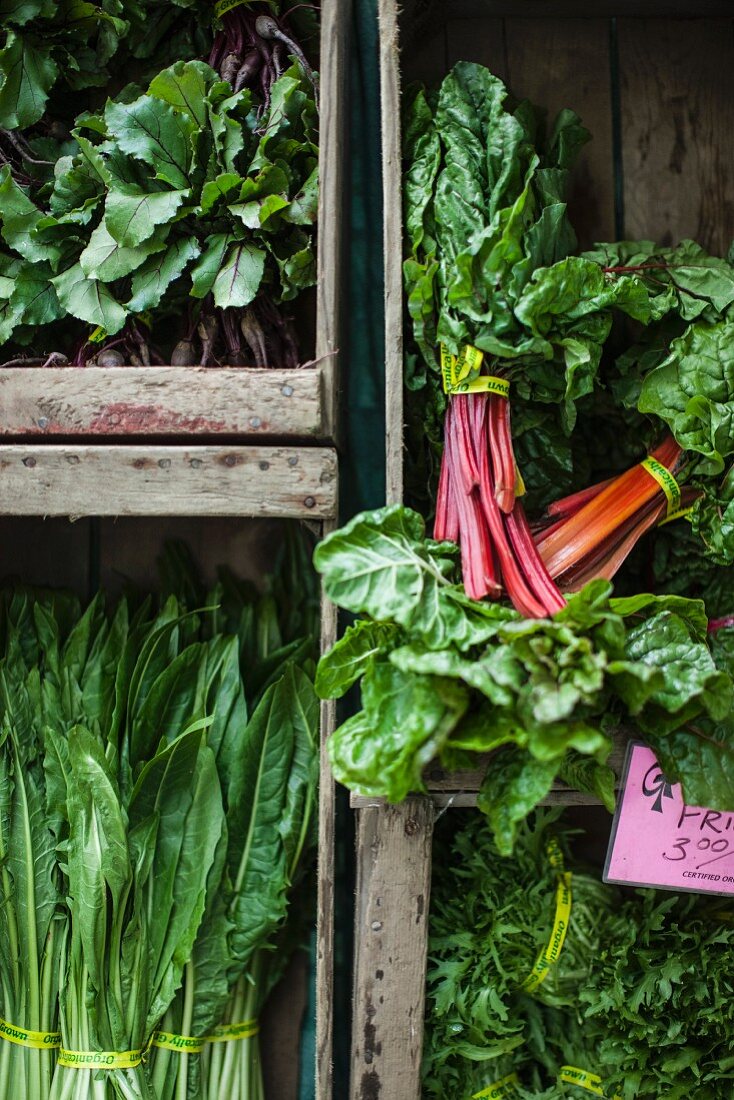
<point>213,402</point>
<point>116,551</point>
<point>168,402</point>
<point>654,82</point>
<point>137,480</point>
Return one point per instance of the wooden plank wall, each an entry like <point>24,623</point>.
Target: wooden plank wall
<point>665,85</point>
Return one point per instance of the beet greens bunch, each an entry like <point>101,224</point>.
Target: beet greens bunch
<point>174,222</point>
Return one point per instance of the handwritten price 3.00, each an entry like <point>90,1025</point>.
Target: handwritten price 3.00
<point>686,848</point>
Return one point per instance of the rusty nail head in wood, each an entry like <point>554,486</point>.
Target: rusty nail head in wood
<point>293,460</point>
<point>309,502</point>
<point>164,463</point>
<point>29,461</point>
<point>411,827</point>
<point>264,465</point>
<point>230,460</point>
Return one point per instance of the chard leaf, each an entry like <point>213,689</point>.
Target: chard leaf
<point>132,218</point>
<point>693,612</point>
<point>514,785</point>
<point>691,681</point>
<point>713,519</point>
<point>702,759</point>
<point>240,275</point>
<point>380,565</point>
<point>349,658</point>
<point>28,73</point>
<point>406,721</point>
<point>89,300</point>
<point>583,773</point>
<point>152,279</point>
<point>693,391</point>
<point>422,148</point>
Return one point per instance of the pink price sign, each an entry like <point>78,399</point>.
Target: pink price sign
<point>659,841</point>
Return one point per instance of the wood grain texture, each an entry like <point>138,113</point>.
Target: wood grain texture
<point>53,480</point>
<point>46,552</point>
<point>479,40</point>
<point>463,800</point>
<point>425,14</point>
<point>393,246</point>
<point>325,894</point>
<point>335,23</point>
<point>566,63</point>
<point>167,401</point>
<point>393,895</point>
<point>677,101</point>
<point>129,547</point>
<point>280,1031</point>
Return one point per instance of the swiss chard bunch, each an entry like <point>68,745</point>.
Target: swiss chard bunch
<point>504,318</point>
<point>450,678</point>
<point>188,198</point>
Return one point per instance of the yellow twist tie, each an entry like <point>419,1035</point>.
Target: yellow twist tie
<point>561,921</point>
<point>227,1033</point>
<point>461,374</point>
<point>100,1059</point>
<point>680,513</point>
<point>182,1044</point>
<point>591,1082</point>
<point>24,1037</point>
<point>506,1087</point>
<point>665,480</point>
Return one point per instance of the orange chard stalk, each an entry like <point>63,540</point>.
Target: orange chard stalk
<point>565,547</point>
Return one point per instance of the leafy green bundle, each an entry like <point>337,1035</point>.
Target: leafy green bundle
<point>48,42</point>
<point>152,829</point>
<point>189,193</point>
<point>491,919</point>
<point>639,995</point>
<point>490,279</point>
<point>446,677</point>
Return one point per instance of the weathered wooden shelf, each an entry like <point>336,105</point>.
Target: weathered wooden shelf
<point>150,402</point>
<point>134,480</point>
<point>459,789</point>
<point>577,9</point>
